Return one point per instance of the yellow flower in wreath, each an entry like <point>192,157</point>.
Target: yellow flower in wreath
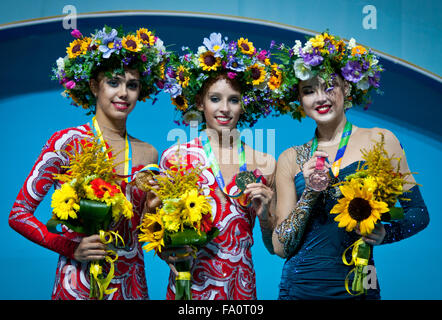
<point>276,78</point>
<point>318,41</point>
<point>208,61</point>
<point>183,76</point>
<point>246,46</point>
<point>358,206</point>
<point>145,36</point>
<point>132,43</point>
<point>180,102</point>
<point>258,74</point>
<point>76,48</point>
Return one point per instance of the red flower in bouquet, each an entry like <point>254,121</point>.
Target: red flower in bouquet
<point>100,188</point>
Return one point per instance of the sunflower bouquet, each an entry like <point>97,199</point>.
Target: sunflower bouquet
<point>369,196</point>
<point>88,200</point>
<point>183,219</point>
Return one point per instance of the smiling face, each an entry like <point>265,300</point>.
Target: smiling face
<point>116,96</point>
<point>320,104</point>
<point>221,105</point>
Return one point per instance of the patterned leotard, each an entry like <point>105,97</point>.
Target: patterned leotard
<point>223,270</point>
<point>72,277</point>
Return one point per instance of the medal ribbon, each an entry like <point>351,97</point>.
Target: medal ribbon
<point>127,150</point>
<point>214,164</point>
<point>217,172</point>
<point>341,150</point>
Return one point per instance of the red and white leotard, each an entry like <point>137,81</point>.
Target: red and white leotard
<point>72,277</point>
<point>223,270</point>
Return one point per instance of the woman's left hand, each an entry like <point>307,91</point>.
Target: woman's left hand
<point>376,236</point>
<point>261,196</point>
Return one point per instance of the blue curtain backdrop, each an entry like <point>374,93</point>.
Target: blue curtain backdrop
<point>406,33</point>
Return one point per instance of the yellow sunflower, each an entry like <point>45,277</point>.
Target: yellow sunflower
<point>145,36</point>
<point>358,206</point>
<point>258,74</point>
<point>180,102</point>
<point>65,202</point>
<point>182,76</point>
<point>132,43</point>
<point>246,46</point>
<point>208,61</point>
<point>152,232</point>
<point>77,48</point>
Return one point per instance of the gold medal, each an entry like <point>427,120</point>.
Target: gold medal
<point>243,178</point>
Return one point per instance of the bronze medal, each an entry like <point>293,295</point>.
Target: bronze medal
<point>319,179</point>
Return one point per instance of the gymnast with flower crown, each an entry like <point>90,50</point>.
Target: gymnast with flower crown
<point>321,178</point>
<point>224,85</point>
<point>105,73</point>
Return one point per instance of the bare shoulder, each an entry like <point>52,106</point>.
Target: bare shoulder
<point>390,139</point>
<point>288,156</point>
<point>265,162</point>
<point>370,136</point>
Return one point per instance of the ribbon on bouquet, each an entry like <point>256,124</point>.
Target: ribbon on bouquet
<point>99,285</point>
<point>360,255</point>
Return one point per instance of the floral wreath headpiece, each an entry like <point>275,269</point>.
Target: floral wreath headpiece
<point>111,50</point>
<point>326,56</point>
<point>239,60</point>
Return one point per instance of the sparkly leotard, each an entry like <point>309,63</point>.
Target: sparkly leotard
<point>316,270</point>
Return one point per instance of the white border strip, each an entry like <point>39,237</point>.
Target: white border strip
<point>386,56</point>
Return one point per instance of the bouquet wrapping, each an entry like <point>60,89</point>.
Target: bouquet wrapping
<point>183,219</point>
<point>368,196</point>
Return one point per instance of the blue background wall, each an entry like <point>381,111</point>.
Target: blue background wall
<point>407,36</point>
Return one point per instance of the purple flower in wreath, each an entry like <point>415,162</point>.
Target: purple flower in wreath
<point>246,100</point>
<point>375,79</point>
<point>232,48</point>
<point>173,88</point>
<point>352,71</point>
<point>313,59</point>
<point>236,65</point>
<point>170,73</point>
<point>107,46</point>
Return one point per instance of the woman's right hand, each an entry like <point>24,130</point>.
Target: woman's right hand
<point>90,249</point>
<point>172,256</point>
<point>152,200</point>
<point>310,165</point>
